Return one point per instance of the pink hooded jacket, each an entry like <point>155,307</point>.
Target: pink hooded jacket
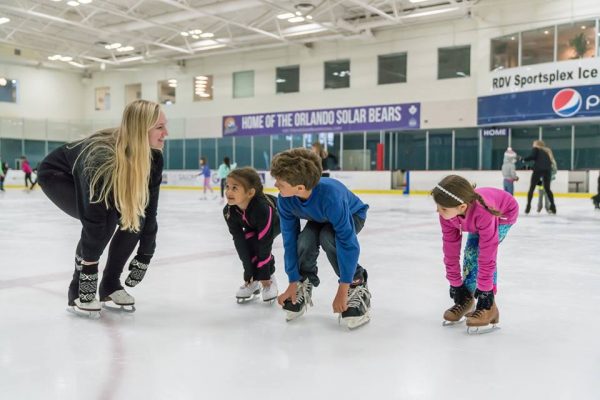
<point>478,220</point>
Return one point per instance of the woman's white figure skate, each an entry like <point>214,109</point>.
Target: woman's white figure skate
<point>248,292</point>
<point>119,300</point>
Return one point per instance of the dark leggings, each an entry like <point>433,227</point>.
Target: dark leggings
<point>545,176</point>
<point>223,182</point>
<point>60,189</point>
<point>28,178</point>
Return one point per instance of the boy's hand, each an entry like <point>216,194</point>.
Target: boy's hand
<point>290,293</point>
<point>340,303</point>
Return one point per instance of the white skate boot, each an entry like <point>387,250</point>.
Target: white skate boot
<point>247,292</point>
<point>119,300</point>
<point>269,293</point>
<point>86,304</point>
<point>89,309</point>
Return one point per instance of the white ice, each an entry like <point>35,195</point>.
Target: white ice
<point>190,340</point>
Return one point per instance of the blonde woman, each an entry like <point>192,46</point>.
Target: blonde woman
<point>110,180</point>
<point>543,166</point>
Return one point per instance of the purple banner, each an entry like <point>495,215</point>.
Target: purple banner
<point>350,119</point>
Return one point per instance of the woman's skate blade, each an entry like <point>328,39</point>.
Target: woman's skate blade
<point>119,308</point>
<point>83,313</point>
<point>481,330</point>
<point>454,323</point>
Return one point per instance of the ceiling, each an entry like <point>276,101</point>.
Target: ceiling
<point>98,34</point>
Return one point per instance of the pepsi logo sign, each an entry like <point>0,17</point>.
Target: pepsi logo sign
<point>567,102</point>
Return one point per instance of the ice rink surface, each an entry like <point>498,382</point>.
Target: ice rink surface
<point>190,340</point>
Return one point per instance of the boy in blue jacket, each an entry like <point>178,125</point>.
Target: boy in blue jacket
<point>334,217</point>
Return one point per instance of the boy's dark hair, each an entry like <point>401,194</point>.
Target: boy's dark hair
<point>248,178</point>
<point>461,188</point>
<point>298,166</point>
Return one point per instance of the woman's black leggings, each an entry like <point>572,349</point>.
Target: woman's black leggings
<point>60,189</point>
<point>545,176</point>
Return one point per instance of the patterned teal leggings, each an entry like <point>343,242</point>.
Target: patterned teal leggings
<point>470,264</point>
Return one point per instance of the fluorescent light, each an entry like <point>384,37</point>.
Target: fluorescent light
<point>76,64</point>
<point>136,58</point>
<point>85,1</point>
<point>185,34</point>
<point>4,20</point>
<point>304,29</point>
<point>285,16</point>
<point>195,37</point>
<point>546,32</point>
<point>66,59</point>
<point>196,31</point>
<point>54,57</point>
<point>3,81</point>
<point>298,13</point>
<point>112,46</point>
<point>126,48</point>
<point>202,77</point>
<point>73,3</point>
<point>309,17</point>
<point>417,1</point>
<point>296,19</point>
<point>431,12</point>
<point>207,35</point>
<point>172,81</point>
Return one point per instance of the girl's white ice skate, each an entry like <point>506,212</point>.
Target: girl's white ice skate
<point>119,300</point>
<point>269,293</point>
<point>247,292</point>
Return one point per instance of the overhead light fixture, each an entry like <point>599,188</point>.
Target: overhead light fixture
<point>76,64</point>
<point>286,16</point>
<point>66,58</point>
<point>4,20</point>
<point>296,19</point>
<point>309,17</point>
<point>3,81</point>
<point>546,32</point>
<point>582,26</point>
<point>513,38</point>
<point>202,78</point>
<point>418,1</point>
<point>126,48</point>
<point>84,1</point>
<point>172,80</point>
<point>136,58</point>
<point>430,12</point>
<point>112,46</point>
<point>207,35</point>
<point>73,3</point>
<point>195,37</point>
<point>185,34</point>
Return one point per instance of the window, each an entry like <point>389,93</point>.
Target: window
<point>192,153</point>
<point>175,153</point>
<point>391,68</point>
<point>538,46</point>
<point>243,151</point>
<point>167,91</point>
<point>102,99</point>
<point>466,149</point>
<point>587,146</point>
<point>8,90</point>
<point>576,40</point>
<point>522,141</point>
<point>133,92</point>
<point>203,88</point>
<point>262,152</point>
<point>243,84</point>
<point>454,62</point>
<point>281,143</point>
<point>492,151</point>
<point>208,150</point>
<point>410,150</point>
<point>373,139</point>
<point>440,150</point>
<point>224,149</point>
<point>337,74</point>
<point>355,157</point>
<point>287,79</point>
<point>504,52</point>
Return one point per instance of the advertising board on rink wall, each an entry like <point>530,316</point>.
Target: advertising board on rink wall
<point>349,119</point>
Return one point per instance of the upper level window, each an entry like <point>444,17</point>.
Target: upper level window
<point>337,74</point>
<point>391,68</point>
<point>576,40</point>
<point>454,62</point>
<point>243,84</point>
<point>167,91</point>
<point>8,90</point>
<point>504,52</point>
<point>203,88</point>
<point>102,101</point>
<point>538,46</point>
<point>133,92</point>
<point>287,79</point>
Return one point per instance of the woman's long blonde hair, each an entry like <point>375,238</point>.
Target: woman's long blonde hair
<point>117,163</point>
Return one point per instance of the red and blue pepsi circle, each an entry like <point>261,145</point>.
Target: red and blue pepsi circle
<point>567,102</point>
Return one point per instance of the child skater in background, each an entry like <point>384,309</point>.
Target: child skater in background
<point>205,173</point>
<point>486,214</point>
<point>335,216</point>
<point>253,222</point>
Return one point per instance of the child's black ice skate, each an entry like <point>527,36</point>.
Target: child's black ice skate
<point>359,306</point>
<point>120,301</point>
<point>303,299</point>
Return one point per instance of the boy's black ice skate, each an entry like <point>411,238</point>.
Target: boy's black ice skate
<point>303,299</point>
<point>359,305</point>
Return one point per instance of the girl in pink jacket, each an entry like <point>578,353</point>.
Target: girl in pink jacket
<point>486,214</point>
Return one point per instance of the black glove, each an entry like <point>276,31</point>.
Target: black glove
<point>485,299</point>
<point>138,267</point>
<point>459,293</point>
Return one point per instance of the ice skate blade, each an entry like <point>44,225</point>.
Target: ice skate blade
<point>119,308</point>
<point>453,323</point>
<point>83,313</point>
<point>290,315</point>
<point>271,300</point>
<point>243,300</point>
<point>356,322</point>
<point>481,330</point>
